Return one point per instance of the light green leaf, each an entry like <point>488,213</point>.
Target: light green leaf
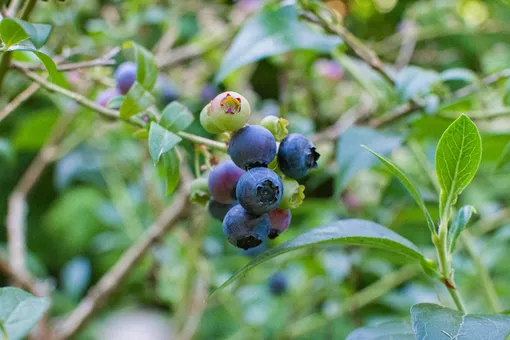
<point>503,164</point>
<point>409,186</point>
<point>458,74</point>
<point>412,82</point>
<point>432,321</point>
<point>147,70</point>
<point>273,32</point>
<point>55,76</point>
<point>176,117</point>
<point>349,156</point>
<point>353,231</point>
<point>20,311</point>
<point>391,330</point>
<point>458,156</point>
<point>161,141</point>
<point>172,170</point>
<point>115,102</point>
<point>458,224</point>
<point>137,100</point>
<point>13,31</point>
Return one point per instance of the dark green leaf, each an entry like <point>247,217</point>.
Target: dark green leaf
<point>392,330</point>
<point>176,117</point>
<point>20,311</point>
<point>349,156</point>
<point>172,170</point>
<point>409,186</point>
<point>137,100</point>
<point>161,141</point>
<point>147,70</point>
<point>55,76</point>
<point>353,231</point>
<point>458,224</point>
<point>269,33</point>
<point>503,164</point>
<point>432,321</point>
<point>13,31</point>
<point>458,156</point>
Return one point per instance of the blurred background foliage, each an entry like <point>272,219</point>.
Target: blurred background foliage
<point>103,191</point>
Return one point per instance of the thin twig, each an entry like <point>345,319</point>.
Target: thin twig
<point>186,52</point>
<point>23,96</point>
<point>99,293</point>
<point>487,81</point>
<point>24,282</point>
<point>408,45</point>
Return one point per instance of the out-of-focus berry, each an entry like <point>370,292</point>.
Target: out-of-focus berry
<point>104,97</point>
<point>278,284</point>
<point>329,69</point>
<point>125,76</point>
<point>219,210</point>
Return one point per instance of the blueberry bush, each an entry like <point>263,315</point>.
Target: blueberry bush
<point>250,169</point>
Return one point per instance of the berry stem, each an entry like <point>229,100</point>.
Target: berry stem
<point>197,162</point>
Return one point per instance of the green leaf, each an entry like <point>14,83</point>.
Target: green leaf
<point>432,321</point>
<point>147,70</point>
<point>409,186</point>
<point>458,156</point>
<point>55,76</point>
<point>137,100</point>
<point>458,224</point>
<point>115,102</point>
<point>503,164</point>
<point>414,82</point>
<point>351,161</point>
<point>172,170</point>
<point>176,117</point>
<point>161,141</point>
<point>391,330</point>
<point>458,74</point>
<point>352,231</point>
<point>270,33</point>
<point>20,311</point>
<point>13,31</point>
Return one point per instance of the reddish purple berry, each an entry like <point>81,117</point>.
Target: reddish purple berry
<point>222,182</point>
<point>104,97</point>
<point>280,220</point>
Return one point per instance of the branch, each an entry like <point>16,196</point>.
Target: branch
<point>99,293</point>
<point>186,52</point>
<point>24,282</point>
<point>23,96</point>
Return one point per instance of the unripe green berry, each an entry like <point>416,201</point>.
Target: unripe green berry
<point>230,111</point>
<point>293,194</point>
<point>199,191</point>
<point>277,126</point>
<point>206,120</point>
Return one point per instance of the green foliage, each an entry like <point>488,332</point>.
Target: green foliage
<point>172,170</point>
<point>147,71</point>
<point>20,311</point>
<point>503,164</point>
<point>176,117</point>
<point>161,141</point>
<point>458,156</point>
<point>458,224</point>
<point>14,31</point>
<point>137,100</point>
<point>432,321</point>
<point>385,331</point>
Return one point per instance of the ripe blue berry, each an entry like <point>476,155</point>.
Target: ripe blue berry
<point>245,230</point>
<point>296,156</point>
<point>222,182</point>
<point>168,93</point>
<point>219,210</point>
<point>125,76</point>
<point>259,190</point>
<point>278,284</point>
<point>230,111</point>
<point>252,146</point>
<point>280,220</point>
<point>104,97</point>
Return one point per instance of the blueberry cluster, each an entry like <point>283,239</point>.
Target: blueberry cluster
<point>252,193</point>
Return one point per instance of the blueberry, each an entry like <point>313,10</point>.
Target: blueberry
<point>222,182</point>
<point>296,156</point>
<point>219,210</point>
<point>104,97</point>
<point>280,220</point>
<point>209,91</point>
<point>278,284</point>
<point>245,230</point>
<point>125,76</point>
<point>252,146</point>
<point>169,93</point>
<point>230,111</point>
<point>206,120</point>
<point>259,190</point>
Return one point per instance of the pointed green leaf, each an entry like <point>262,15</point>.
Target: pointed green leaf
<point>13,31</point>
<point>503,164</point>
<point>172,170</point>
<point>55,76</point>
<point>161,141</point>
<point>273,32</point>
<point>147,70</point>
<point>458,74</point>
<point>176,117</point>
<point>409,186</point>
<point>353,231</point>
<point>20,311</point>
<point>137,100</point>
<point>458,224</point>
<point>391,330</point>
<point>458,156</point>
<point>432,321</point>
<point>115,102</point>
